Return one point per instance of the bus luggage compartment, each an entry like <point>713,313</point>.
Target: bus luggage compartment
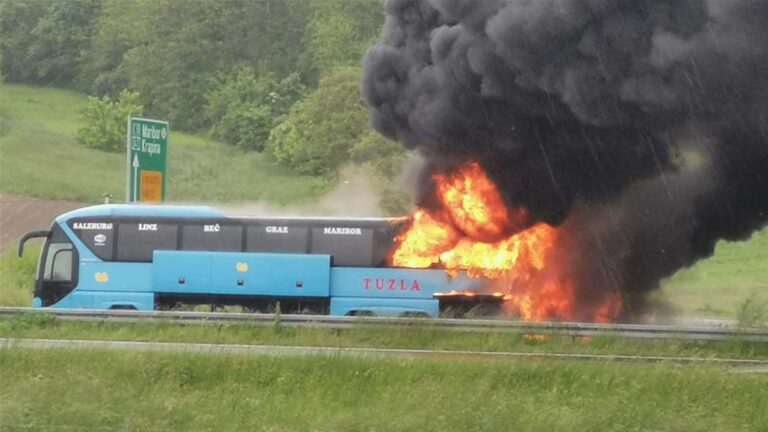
<point>235,273</point>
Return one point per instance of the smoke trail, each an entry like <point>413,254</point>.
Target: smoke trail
<point>598,106</point>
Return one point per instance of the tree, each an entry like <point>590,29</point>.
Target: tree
<point>318,133</point>
<point>120,27</point>
<point>172,51</point>
<point>169,50</point>
<point>244,108</point>
<point>339,32</point>
<point>61,37</point>
<point>106,120</point>
<point>17,21</point>
<point>44,40</point>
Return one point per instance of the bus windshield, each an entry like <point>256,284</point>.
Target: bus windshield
<point>57,268</point>
<point>58,262</point>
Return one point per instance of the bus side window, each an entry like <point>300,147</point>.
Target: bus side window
<point>214,237</point>
<point>278,238</point>
<point>137,241</point>
<point>349,246</point>
<point>58,266</point>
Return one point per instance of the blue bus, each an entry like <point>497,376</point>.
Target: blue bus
<point>158,257</point>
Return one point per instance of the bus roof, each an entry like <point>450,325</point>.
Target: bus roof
<point>141,210</point>
<point>192,211</point>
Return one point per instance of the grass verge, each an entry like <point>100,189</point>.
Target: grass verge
<point>17,276</point>
<point>414,336</point>
<point>92,389</point>
<point>40,158</point>
<point>720,285</point>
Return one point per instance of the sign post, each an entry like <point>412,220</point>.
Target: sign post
<point>147,160</point>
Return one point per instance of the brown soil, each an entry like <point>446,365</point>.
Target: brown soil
<point>20,215</point>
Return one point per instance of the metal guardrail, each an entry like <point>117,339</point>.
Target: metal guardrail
<point>574,329</point>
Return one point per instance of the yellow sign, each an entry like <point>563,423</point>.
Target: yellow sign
<point>151,186</point>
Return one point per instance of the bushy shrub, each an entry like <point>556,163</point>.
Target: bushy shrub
<point>244,107</point>
<point>317,135</point>
<point>106,121</point>
<point>330,128</point>
<point>385,156</point>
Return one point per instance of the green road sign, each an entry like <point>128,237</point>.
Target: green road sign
<point>147,160</point>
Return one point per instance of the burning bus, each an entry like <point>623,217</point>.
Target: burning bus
<point>156,257</point>
<point>457,256</point>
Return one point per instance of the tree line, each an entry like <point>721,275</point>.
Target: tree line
<point>279,76</point>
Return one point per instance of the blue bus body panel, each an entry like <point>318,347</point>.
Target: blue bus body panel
<point>107,300</point>
<point>137,300</point>
<point>272,274</point>
<point>384,306</point>
<point>114,276</point>
<point>233,273</point>
<point>181,272</point>
<point>103,285</point>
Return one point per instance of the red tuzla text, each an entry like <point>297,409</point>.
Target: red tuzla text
<point>383,284</point>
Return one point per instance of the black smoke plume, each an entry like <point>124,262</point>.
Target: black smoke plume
<point>640,126</point>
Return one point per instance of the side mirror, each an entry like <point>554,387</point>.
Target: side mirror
<point>31,235</point>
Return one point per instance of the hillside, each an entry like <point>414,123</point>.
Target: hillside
<point>39,158</point>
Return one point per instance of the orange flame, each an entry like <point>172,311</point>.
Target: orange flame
<point>426,235</point>
<point>473,203</point>
<point>470,233</point>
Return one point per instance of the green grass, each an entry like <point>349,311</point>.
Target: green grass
<point>736,273</point>
<point>405,337</point>
<point>92,389</point>
<point>17,277</point>
<point>39,157</point>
